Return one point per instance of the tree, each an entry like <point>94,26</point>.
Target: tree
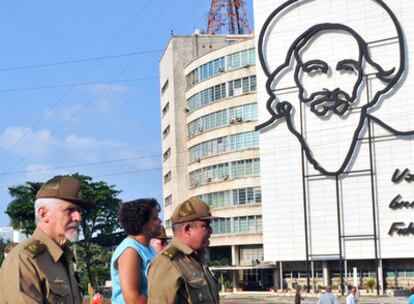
<point>3,245</point>
<point>98,223</point>
<point>21,208</point>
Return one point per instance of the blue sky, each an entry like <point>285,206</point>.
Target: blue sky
<point>64,110</point>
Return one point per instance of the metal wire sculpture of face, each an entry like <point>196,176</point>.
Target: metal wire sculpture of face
<point>328,62</point>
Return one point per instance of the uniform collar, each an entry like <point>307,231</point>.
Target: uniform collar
<point>181,246</point>
<point>54,249</point>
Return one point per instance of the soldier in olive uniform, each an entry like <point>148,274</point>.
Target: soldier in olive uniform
<point>38,269</point>
<point>178,274</point>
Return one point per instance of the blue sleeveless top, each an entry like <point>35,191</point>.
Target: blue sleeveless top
<point>146,254</point>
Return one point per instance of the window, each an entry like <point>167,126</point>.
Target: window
<point>207,122</point>
<point>167,177</point>
<point>168,224</point>
<point>247,196</point>
<point>251,254</point>
<point>207,96</point>
<point>168,200</point>
<point>241,59</point>
<point>247,167</point>
<point>205,71</point>
<point>251,223</point>
<point>219,145</point>
<point>165,109</point>
<point>166,154</point>
<point>209,174</point>
<point>242,86</point>
<point>221,225</point>
<point>166,131</point>
<point>164,87</point>
<point>230,198</point>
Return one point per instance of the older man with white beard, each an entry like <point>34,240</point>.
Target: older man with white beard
<point>38,269</point>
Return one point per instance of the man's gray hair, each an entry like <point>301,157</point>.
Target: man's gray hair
<point>177,227</point>
<point>48,203</point>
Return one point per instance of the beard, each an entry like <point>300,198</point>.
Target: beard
<point>328,138</point>
<point>323,102</point>
<point>72,235</point>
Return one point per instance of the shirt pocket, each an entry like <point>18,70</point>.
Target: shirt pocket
<point>198,289</point>
<point>59,293</point>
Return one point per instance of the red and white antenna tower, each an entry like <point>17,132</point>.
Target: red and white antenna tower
<point>230,13</point>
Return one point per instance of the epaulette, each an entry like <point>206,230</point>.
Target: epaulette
<point>35,247</point>
<point>170,252</point>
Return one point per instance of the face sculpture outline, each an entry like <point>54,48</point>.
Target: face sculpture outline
<point>327,101</point>
<point>328,85</point>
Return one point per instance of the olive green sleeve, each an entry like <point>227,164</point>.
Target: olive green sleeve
<point>30,289</point>
<point>163,281</point>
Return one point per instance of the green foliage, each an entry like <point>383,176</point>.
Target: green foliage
<point>21,209</point>
<point>99,222</point>
<point>3,245</point>
<point>99,265</point>
<point>370,284</point>
<point>221,262</point>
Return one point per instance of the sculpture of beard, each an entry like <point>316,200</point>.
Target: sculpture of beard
<point>329,76</point>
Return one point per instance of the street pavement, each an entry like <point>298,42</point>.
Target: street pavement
<point>267,298</point>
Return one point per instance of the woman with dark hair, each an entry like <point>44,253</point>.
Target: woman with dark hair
<point>131,258</point>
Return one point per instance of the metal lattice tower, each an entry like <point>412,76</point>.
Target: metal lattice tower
<point>230,14</point>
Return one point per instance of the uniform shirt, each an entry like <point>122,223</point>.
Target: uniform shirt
<point>327,298</point>
<point>411,299</point>
<point>166,282</point>
<point>351,299</point>
<point>146,254</point>
<point>37,271</point>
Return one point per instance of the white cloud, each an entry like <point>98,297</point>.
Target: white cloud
<point>101,99</point>
<point>24,141</point>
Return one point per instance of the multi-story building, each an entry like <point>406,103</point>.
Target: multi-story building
<point>211,149</point>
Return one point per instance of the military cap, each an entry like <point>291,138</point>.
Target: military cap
<point>163,234</point>
<point>64,187</point>
<point>191,210</point>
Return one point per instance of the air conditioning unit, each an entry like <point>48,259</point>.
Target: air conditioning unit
<point>208,179</point>
<point>197,160</point>
<point>226,177</point>
<point>232,121</point>
<point>221,70</point>
<point>239,119</point>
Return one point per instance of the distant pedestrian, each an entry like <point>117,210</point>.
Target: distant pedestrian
<point>328,297</point>
<point>352,298</point>
<point>411,297</point>
<point>298,295</point>
<point>161,241</point>
<point>131,258</point>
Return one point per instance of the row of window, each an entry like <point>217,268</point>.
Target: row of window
<point>235,197</point>
<point>168,200</point>
<point>239,224</point>
<point>224,171</point>
<point>228,89</point>
<point>221,118</point>
<point>223,144</point>
<point>220,65</point>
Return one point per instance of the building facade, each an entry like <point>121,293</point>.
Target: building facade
<point>335,95</point>
<point>211,149</point>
